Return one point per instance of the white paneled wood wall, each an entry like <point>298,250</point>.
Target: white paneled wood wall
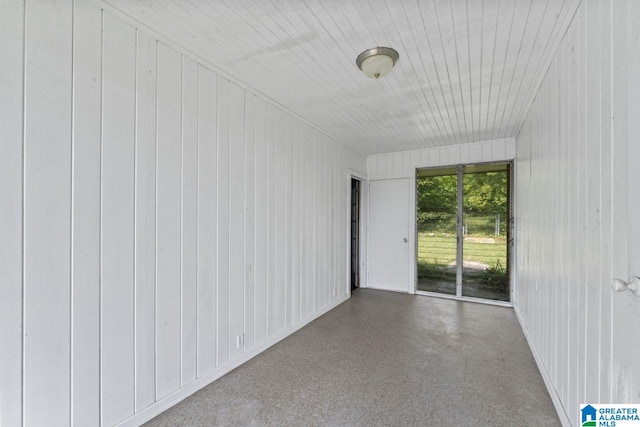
<point>403,164</point>
<point>160,224</point>
<point>572,220</point>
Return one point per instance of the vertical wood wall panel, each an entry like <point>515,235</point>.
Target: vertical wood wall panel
<point>167,212</point>
<point>293,279</point>
<point>320,232</point>
<point>236,219</point>
<point>249,220</point>
<point>443,156</point>
<point>571,155</point>
<point>207,221</point>
<point>396,160</point>
<point>223,338</point>
<point>324,216</point>
<point>303,194</point>
<point>592,112</point>
<point>465,154</point>
<point>330,230</point>
<point>328,227</point>
<point>475,153</point>
<point>312,229</point>
<point>333,228</point>
<point>280,213</point>
<point>85,281</point>
<point>454,156</point>
<point>145,257</point>
<point>487,152</point>
<point>47,209</point>
<point>189,217</point>
<point>261,213</point>
<point>562,230</point>
<point>339,227</point>
<point>606,113</point>
<point>288,207</point>
<point>117,251</point>
<point>307,216</point>
<point>580,169</point>
<point>11,147</point>
<point>271,220</point>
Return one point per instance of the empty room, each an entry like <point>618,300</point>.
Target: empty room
<point>306,212</point>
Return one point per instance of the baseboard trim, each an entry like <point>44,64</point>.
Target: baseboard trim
<point>168,401</point>
<point>562,413</point>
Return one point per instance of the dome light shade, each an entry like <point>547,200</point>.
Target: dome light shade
<point>377,62</point>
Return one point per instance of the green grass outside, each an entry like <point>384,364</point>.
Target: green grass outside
<point>437,252</point>
<point>475,225</point>
<point>440,250</point>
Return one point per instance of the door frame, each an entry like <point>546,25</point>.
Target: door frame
<point>511,247</point>
<point>362,252</point>
<point>354,234</point>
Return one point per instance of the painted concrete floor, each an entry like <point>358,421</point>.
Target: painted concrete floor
<point>470,288</point>
<point>383,359</point>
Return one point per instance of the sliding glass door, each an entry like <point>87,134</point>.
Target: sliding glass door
<point>463,219</point>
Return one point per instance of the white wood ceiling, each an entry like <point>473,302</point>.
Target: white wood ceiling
<point>467,72</point>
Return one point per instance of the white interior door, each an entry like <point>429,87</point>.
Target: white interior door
<point>389,234</point>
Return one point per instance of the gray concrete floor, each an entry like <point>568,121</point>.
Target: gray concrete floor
<point>384,358</point>
<point>470,288</point>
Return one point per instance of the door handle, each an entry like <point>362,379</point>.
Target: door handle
<point>405,240</point>
<point>633,285</point>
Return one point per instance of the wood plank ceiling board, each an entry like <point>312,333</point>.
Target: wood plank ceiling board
<point>468,69</point>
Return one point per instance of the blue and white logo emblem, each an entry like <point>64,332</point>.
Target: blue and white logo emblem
<point>592,415</point>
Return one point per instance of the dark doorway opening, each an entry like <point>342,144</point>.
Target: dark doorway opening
<point>355,233</point>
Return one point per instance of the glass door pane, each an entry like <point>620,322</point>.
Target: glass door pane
<point>436,202</point>
<point>485,226</point>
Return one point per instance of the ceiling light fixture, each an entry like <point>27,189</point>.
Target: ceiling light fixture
<point>377,62</point>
